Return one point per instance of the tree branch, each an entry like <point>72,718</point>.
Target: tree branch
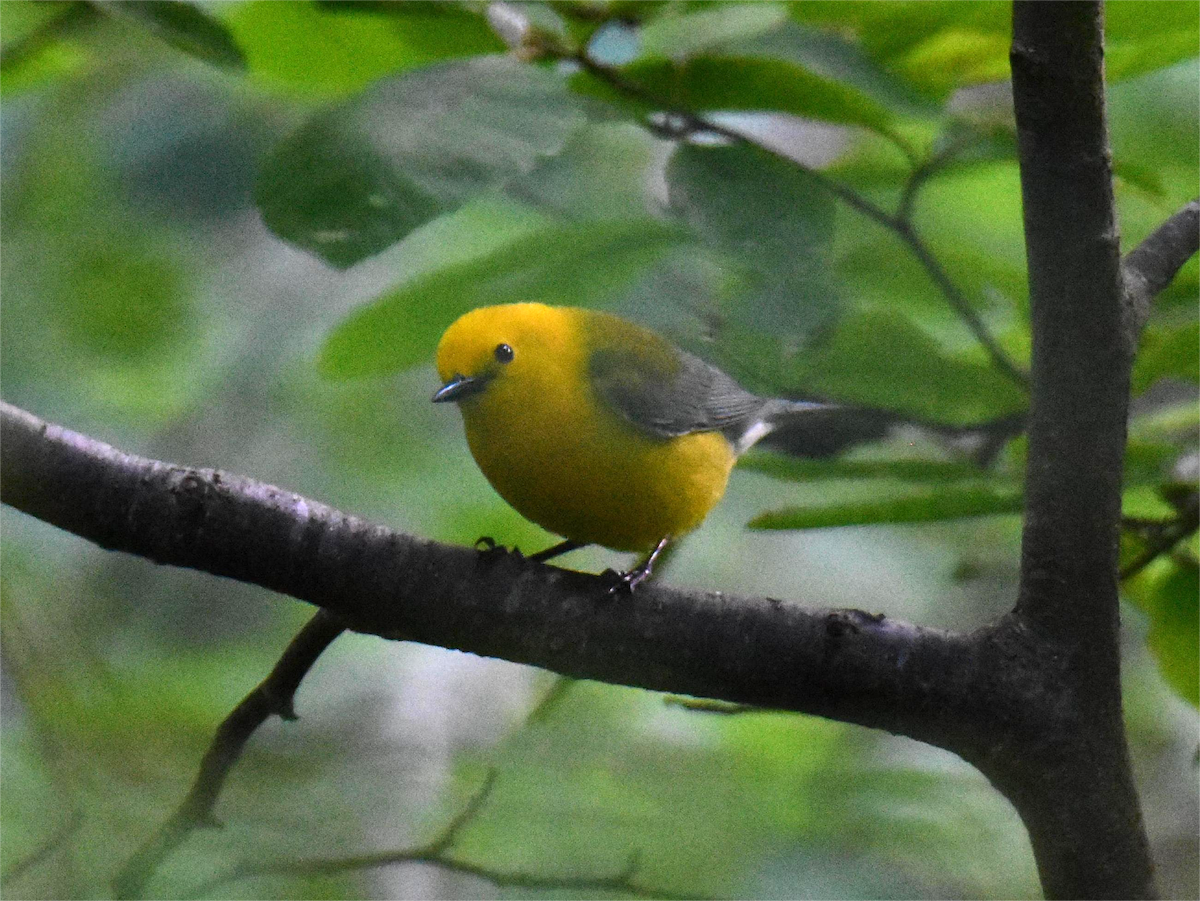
<point>847,665</point>
<point>1084,821</point>
<point>438,852</point>
<point>274,694</point>
<point>43,852</point>
<point>1162,537</point>
<point>899,223</point>
<point>1150,267</point>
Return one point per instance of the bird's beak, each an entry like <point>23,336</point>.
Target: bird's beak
<point>459,387</point>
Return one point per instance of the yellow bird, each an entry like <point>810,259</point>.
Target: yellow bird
<point>595,428</point>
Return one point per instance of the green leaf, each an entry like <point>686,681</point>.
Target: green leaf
<point>749,83</point>
<point>355,180</point>
<point>184,27</point>
<point>919,504</point>
<point>957,58</point>
<point>1167,352</point>
<point>834,56</point>
<point>36,46</point>
<point>385,6</point>
<point>575,264</point>
<point>679,33</point>
<point>935,47</point>
<point>1143,37</point>
<point>771,215</point>
<point>602,173</point>
<point>334,51</point>
<point>748,201</point>
<point>342,200</point>
<point>1131,58</point>
<point>713,83</point>
<point>797,469</point>
<point>1148,462</point>
<point>1168,591</point>
<point>879,358</point>
<point>1138,176</point>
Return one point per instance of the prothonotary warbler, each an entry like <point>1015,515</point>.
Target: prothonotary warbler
<point>595,428</point>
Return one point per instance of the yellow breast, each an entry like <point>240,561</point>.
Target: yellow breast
<point>565,460</point>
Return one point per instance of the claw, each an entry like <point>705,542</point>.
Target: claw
<point>489,550</point>
<point>628,581</point>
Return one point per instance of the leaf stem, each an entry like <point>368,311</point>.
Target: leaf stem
<point>900,222</point>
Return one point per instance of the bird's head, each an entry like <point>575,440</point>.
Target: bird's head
<point>510,342</point>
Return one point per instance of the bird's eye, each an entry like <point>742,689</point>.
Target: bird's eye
<point>504,353</point>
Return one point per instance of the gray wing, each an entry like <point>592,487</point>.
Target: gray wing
<point>673,394</point>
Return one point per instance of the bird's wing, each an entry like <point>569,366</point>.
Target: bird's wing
<point>667,392</point>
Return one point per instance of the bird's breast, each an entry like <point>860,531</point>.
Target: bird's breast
<point>565,460</point>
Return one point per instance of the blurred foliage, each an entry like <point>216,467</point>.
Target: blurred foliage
<point>230,234</point>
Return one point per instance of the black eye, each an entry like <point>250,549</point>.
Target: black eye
<point>504,353</point>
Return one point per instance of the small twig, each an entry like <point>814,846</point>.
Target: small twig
<point>435,853</point>
<point>449,835</point>
<point>273,695</point>
<point>1164,536</point>
<point>44,850</point>
<point>899,222</point>
<point>929,168</point>
<point>908,233</point>
<point>620,882</point>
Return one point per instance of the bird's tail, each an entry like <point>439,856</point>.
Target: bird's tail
<point>809,429</point>
<point>786,414</point>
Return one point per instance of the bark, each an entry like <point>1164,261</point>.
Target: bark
<point>1077,797</point>
<point>844,664</point>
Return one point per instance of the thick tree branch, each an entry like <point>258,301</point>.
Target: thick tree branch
<point>846,665</point>
<point>1077,799</point>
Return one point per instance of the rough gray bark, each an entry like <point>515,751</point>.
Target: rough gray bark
<point>1074,789</point>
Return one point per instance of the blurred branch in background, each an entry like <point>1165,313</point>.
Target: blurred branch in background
<point>439,853</point>
<point>1162,537</point>
<point>900,222</point>
<point>274,695</point>
<point>46,850</point>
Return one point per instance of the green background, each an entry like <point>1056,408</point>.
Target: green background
<point>231,235</point>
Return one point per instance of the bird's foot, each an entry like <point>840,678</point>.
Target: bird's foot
<point>627,581</point>
<point>489,550</point>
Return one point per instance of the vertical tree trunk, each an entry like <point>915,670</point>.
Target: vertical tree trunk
<point>1077,795</point>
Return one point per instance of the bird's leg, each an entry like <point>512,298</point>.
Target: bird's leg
<point>628,581</point>
<point>555,550</point>
<point>490,551</point>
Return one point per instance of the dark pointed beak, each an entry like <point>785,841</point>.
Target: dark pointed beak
<point>459,387</point>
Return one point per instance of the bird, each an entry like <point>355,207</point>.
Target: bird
<point>598,429</point>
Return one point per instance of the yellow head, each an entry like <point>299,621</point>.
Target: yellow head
<point>502,347</point>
